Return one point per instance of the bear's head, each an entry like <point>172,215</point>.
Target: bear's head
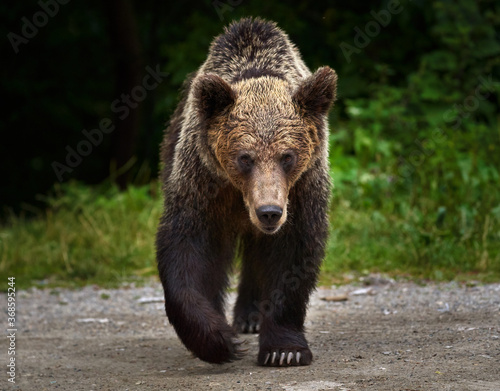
<point>263,135</point>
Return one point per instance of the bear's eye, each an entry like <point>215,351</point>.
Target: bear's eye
<point>245,162</point>
<point>287,161</point>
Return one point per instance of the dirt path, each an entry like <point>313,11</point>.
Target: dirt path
<point>390,336</point>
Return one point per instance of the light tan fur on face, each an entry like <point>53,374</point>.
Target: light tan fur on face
<point>268,186</point>
<point>265,124</point>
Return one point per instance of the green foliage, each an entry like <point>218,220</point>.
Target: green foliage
<point>414,148</point>
<point>417,176</point>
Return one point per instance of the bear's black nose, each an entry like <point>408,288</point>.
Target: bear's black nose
<point>269,214</point>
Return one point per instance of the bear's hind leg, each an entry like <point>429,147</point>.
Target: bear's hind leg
<point>247,318</point>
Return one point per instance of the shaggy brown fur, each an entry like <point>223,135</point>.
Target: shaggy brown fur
<point>246,160</point>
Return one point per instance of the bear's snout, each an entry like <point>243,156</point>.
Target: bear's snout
<point>269,215</point>
<point>266,198</point>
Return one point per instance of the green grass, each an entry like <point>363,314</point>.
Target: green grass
<point>86,236</point>
<point>364,242</point>
<point>101,236</point>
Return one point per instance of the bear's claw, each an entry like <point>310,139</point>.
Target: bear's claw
<point>285,359</point>
<point>251,327</point>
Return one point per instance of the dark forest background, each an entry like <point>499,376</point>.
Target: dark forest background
<point>415,131</point>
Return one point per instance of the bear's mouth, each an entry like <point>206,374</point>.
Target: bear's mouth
<point>270,229</point>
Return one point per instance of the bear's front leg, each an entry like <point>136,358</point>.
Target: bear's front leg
<point>287,266</point>
<point>283,309</point>
<point>285,270</point>
<point>193,270</point>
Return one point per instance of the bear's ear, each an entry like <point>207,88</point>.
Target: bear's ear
<point>317,93</point>
<point>212,95</point>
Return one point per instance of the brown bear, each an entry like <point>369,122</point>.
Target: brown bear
<point>246,172</point>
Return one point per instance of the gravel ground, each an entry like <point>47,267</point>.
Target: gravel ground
<point>381,336</point>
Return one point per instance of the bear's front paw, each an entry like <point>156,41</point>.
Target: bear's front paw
<point>284,357</point>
